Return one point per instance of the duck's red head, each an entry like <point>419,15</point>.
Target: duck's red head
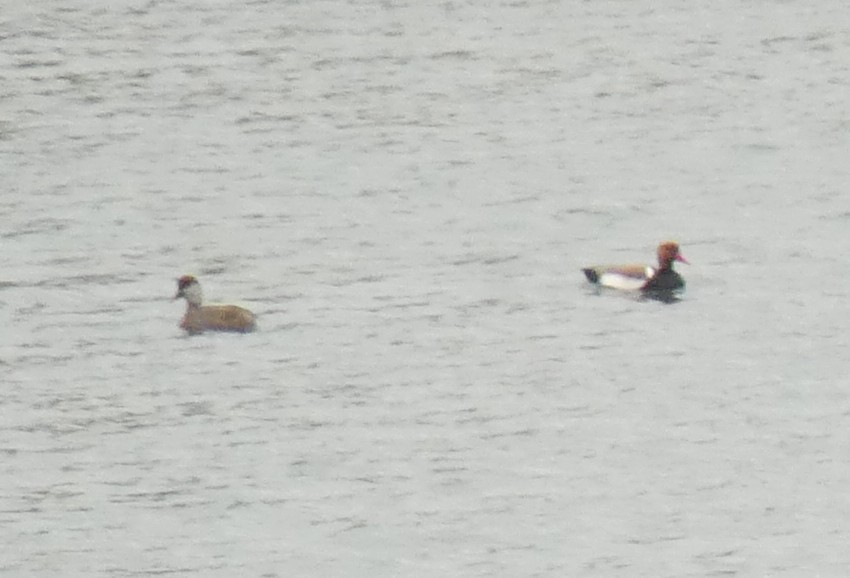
<point>669,252</point>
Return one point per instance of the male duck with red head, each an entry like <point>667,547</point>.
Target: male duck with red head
<point>642,277</point>
<point>200,317</point>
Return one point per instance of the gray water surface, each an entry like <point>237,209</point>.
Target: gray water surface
<point>404,194</point>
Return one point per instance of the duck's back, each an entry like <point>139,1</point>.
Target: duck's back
<point>219,318</point>
<point>627,277</point>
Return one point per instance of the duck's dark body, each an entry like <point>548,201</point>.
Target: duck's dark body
<point>667,280</point>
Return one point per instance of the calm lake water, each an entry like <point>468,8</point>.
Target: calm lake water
<point>404,193</point>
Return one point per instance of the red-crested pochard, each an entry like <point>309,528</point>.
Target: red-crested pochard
<point>642,277</point>
<point>200,317</point>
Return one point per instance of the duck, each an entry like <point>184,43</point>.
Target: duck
<point>645,278</point>
<point>200,317</point>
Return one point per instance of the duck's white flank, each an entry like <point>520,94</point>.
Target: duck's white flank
<point>616,280</point>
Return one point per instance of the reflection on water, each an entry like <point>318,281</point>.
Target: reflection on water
<point>663,296</point>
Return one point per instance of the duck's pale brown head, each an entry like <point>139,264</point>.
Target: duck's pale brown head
<point>669,252</point>
<point>189,288</point>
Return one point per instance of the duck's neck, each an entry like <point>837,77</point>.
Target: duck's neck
<point>665,266</point>
<point>194,296</point>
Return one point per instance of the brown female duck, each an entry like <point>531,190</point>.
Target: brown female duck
<point>200,317</point>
